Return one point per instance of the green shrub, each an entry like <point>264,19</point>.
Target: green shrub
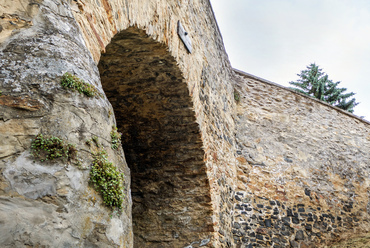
<point>116,138</point>
<point>51,147</point>
<point>107,180</point>
<point>72,82</point>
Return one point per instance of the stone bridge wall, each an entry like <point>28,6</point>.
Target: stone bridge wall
<point>260,172</point>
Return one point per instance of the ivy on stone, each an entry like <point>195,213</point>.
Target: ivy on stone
<point>104,175</point>
<point>115,137</point>
<point>51,147</point>
<point>107,180</point>
<point>73,83</point>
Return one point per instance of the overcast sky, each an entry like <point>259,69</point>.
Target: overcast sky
<point>276,39</point>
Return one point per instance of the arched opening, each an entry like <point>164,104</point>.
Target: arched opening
<point>161,140</point>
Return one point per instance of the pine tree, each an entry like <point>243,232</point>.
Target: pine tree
<point>315,83</point>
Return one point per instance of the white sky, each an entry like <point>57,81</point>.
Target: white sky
<point>276,39</point>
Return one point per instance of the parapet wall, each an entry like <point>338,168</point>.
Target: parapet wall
<point>304,174</point>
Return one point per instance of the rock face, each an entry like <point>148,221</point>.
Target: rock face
<point>50,204</point>
<point>215,157</point>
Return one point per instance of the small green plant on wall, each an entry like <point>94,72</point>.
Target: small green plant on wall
<point>236,96</point>
<point>116,138</point>
<point>72,82</point>
<point>51,147</point>
<point>104,176</point>
<point>96,141</point>
<point>107,180</point>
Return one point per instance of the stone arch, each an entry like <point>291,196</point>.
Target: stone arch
<point>161,140</point>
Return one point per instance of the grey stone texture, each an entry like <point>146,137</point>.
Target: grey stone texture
<point>50,204</point>
<point>215,157</point>
<point>303,162</point>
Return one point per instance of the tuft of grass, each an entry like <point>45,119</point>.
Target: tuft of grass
<point>73,83</point>
<point>107,180</point>
<point>116,138</point>
<point>51,147</point>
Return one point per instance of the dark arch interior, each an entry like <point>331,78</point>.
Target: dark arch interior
<point>161,140</point>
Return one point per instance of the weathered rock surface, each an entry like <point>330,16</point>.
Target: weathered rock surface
<point>273,169</point>
<point>50,204</point>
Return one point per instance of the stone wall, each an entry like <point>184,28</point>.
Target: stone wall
<point>161,139</point>
<point>206,72</point>
<point>303,175</point>
<point>204,169</point>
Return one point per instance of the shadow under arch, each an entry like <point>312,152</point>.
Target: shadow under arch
<point>161,139</point>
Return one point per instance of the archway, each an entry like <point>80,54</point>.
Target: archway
<point>161,140</point>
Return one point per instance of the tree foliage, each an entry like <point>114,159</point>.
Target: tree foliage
<point>315,83</point>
